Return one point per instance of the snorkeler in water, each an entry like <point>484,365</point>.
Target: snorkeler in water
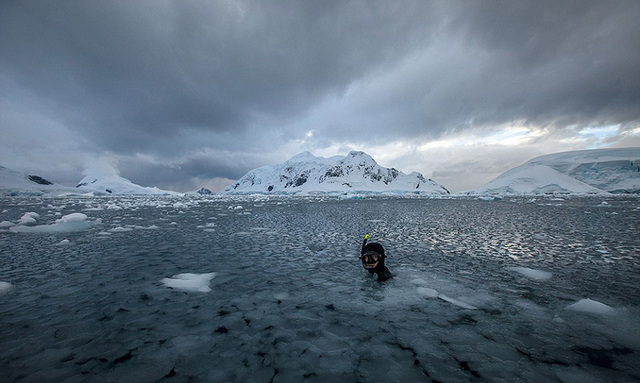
<point>372,257</point>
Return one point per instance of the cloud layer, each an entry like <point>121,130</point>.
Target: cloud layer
<point>190,91</point>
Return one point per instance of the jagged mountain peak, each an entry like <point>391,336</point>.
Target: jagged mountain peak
<point>355,172</point>
<point>301,157</point>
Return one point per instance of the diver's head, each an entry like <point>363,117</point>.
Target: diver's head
<point>373,257</point>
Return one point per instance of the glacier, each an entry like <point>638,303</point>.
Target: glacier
<point>14,183</point>
<point>584,172</point>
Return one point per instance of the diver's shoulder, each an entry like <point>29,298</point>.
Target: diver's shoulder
<point>385,274</point>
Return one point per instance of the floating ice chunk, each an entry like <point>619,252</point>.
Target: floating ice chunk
<point>5,287</point>
<point>68,223</point>
<point>64,242</point>
<point>490,198</point>
<point>120,229</point>
<point>281,296</point>
<point>418,281</point>
<point>427,292</point>
<point>73,217</point>
<point>190,282</point>
<point>6,224</point>
<point>457,302</point>
<point>591,307</point>
<point>538,275</point>
<point>29,218</point>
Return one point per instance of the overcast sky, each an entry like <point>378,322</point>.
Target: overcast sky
<point>184,94</point>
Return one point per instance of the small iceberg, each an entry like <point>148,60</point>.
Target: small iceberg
<point>5,287</point>
<point>190,282</point>
<point>591,307</point>
<point>29,219</point>
<point>427,292</point>
<point>6,224</point>
<point>537,275</point>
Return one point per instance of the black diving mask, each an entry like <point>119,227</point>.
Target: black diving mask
<point>371,259</point>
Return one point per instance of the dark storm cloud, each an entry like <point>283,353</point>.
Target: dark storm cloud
<point>245,78</point>
<point>550,64</point>
<point>128,72</point>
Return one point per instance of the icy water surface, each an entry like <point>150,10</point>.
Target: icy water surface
<point>483,291</point>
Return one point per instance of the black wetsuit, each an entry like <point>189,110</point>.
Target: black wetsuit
<point>384,274</point>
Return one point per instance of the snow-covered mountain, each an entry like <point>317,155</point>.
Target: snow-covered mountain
<point>356,172</point>
<point>579,172</point>
<point>16,183</point>
<point>106,183</point>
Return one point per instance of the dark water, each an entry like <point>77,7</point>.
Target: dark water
<point>290,302</point>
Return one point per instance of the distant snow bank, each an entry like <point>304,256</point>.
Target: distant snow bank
<point>584,172</point>
<point>111,184</point>
<point>14,183</point>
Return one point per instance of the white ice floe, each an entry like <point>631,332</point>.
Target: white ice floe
<point>6,224</point>
<point>538,275</point>
<point>120,229</point>
<point>68,223</point>
<point>456,302</point>
<point>591,307</point>
<point>5,287</point>
<point>190,282</point>
<point>427,292</point>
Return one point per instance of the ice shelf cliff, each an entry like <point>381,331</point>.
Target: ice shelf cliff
<point>598,171</point>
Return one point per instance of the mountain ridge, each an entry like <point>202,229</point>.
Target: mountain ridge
<point>356,172</point>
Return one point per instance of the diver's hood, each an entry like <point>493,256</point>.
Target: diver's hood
<point>372,256</point>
